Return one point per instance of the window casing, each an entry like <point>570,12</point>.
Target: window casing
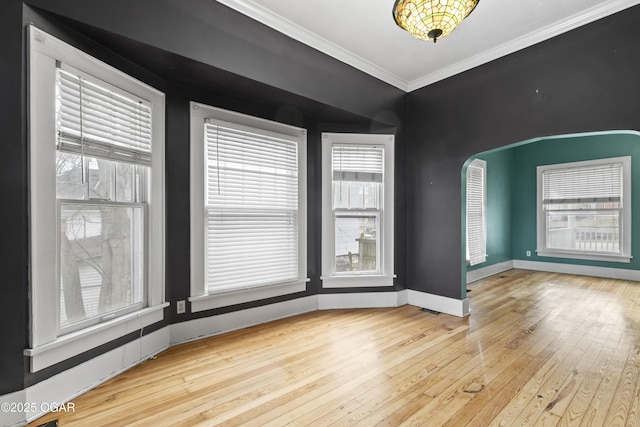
<point>357,235</point>
<point>248,208</point>
<point>96,201</point>
<point>476,212</point>
<point>584,210</point>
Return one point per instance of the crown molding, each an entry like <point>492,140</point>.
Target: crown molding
<point>546,33</point>
<point>259,13</point>
<point>296,32</point>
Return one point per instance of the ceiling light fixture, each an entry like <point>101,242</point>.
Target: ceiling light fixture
<point>431,19</point>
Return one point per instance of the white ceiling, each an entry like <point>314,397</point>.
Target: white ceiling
<point>362,33</point>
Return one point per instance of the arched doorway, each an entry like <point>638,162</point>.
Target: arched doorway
<point>512,197</point>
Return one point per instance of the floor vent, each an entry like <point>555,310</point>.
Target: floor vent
<point>430,311</point>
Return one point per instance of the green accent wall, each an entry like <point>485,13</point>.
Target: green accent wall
<point>512,189</point>
<point>564,149</point>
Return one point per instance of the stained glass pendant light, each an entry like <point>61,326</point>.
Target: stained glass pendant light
<point>431,19</point>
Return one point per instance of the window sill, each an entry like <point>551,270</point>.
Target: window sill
<point>357,281</point>
<point>227,297</point>
<point>585,256</point>
<point>74,343</point>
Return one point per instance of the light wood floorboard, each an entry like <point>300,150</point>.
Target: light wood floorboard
<point>539,349</point>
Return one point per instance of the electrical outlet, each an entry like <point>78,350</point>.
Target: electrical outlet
<point>181,307</point>
<point>528,253</point>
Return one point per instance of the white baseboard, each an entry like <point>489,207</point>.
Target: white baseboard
<point>490,270</point>
<point>585,270</point>
<point>359,300</point>
<point>215,325</point>
<point>439,303</point>
<point>403,297</point>
<point>218,324</point>
<point>67,385</point>
<point>554,267</point>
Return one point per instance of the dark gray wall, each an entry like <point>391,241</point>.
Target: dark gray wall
<point>192,50</point>
<point>13,170</point>
<point>584,80</point>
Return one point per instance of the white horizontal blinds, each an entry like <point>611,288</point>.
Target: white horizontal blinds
<point>252,207</point>
<point>364,163</point>
<point>476,238</point>
<point>590,184</point>
<point>97,120</point>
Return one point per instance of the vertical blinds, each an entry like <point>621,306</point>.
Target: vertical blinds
<point>357,163</point>
<point>476,239</point>
<point>98,121</point>
<point>598,183</point>
<point>251,207</point>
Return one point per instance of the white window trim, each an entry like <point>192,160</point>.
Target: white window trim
<point>46,348</point>
<point>625,256</point>
<point>481,164</point>
<point>329,278</point>
<point>201,298</point>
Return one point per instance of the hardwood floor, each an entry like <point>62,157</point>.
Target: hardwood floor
<point>539,349</point>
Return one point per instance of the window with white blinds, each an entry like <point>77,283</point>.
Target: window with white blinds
<point>98,120</point>
<point>476,212</point>
<point>96,189</point>
<point>357,204</point>
<point>598,183</point>
<point>358,172</point>
<point>103,159</point>
<point>584,209</point>
<point>251,207</point>
<point>357,163</point>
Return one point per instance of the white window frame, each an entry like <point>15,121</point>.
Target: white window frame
<point>201,297</point>
<point>625,216</point>
<point>47,347</point>
<point>330,279</point>
<point>482,165</point>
